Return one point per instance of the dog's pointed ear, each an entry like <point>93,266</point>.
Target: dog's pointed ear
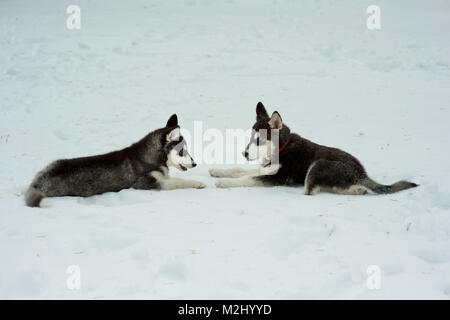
<point>173,121</point>
<point>261,112</point>
<point>174,134</point>
<point>275,121</point>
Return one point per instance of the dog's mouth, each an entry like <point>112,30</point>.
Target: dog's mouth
<point>246,156</point>
<point>183,167</point>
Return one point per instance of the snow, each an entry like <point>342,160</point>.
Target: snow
<point>381,95</point>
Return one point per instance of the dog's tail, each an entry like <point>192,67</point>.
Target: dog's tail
<point>384,189</point>
<point>34,197</point>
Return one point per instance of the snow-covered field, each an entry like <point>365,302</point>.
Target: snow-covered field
<point>382,95</point>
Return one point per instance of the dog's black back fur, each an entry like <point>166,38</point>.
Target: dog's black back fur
<point>300,153</point>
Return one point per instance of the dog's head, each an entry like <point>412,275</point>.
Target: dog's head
<point>176,147</point>
<point>267,133</point>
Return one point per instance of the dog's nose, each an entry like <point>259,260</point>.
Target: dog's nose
<point>194,164</point>
<point>245,154</point>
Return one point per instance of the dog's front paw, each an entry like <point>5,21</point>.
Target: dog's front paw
<point>198,185</point>
<point>216,173</point>
<point>223,184</point>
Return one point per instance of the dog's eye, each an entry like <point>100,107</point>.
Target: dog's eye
<point>180,153</point>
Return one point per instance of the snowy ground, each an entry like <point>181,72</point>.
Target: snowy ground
<point>381,95</point>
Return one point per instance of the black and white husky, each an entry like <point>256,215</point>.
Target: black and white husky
<point>300,162</point>
<point>143,165</point>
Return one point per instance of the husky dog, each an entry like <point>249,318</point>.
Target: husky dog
<point>300,162</point>
<point>143,165</point>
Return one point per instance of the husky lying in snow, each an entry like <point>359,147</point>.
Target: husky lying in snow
<point>143,165</point>
<point>301,161</point>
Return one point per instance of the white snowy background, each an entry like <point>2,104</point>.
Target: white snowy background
<point>382,95</point>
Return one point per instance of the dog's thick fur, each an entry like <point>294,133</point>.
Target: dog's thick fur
<point>301,162</point>
<point>143,165</point>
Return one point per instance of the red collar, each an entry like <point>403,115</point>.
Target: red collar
<point>278,151</point>
<point>283,146</point>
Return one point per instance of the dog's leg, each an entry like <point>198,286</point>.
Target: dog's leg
<point>239,172</point>
<point>352,190</point>
<point>335,177</point>
<point>259,177</point>
<point>167,183</point>
<point>310,187</point>
<point>146,183</point>
<point>246,181</point>
<point>231,173</point>
<point>177,183</point>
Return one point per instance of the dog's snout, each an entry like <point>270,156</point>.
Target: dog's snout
<point>245,154</point>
